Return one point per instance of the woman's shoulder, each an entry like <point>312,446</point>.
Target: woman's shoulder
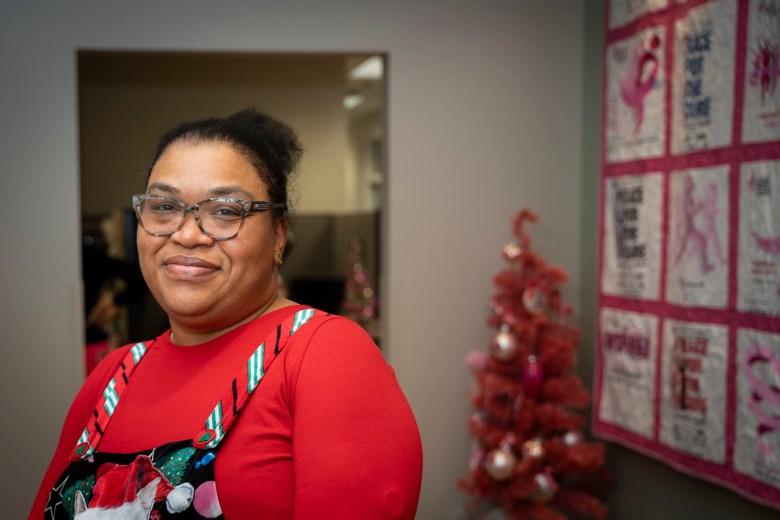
<point>311,325</point>
<point>108,364</point>
<point>336,333</point>
<point>96,381</point>
<point>332,345</point>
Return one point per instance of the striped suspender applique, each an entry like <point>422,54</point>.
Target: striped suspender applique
<point>300,318</point>
<point>223,414</point>
<point>248,379</point>
<point>90,437</point>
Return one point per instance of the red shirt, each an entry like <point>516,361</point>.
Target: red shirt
<point>327,434</point>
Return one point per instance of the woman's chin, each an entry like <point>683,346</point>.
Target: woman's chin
<point>186,310</point>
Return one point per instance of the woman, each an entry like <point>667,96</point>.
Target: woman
<point>228,415</point>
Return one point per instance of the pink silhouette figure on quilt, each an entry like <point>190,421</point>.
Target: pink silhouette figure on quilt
<point>766,68</point>
<point>639,79</point>
<point>695,240</point>
<point>710,212</point>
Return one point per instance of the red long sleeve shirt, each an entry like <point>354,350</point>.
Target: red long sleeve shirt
<point>327,434</point>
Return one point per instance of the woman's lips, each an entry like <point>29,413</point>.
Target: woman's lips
<point>188,267</point>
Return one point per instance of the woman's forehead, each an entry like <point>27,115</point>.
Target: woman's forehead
<point>214,167</point>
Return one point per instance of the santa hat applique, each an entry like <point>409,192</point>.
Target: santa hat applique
<point>119,484</point>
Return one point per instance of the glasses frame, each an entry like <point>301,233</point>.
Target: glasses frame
<point>247,208</point>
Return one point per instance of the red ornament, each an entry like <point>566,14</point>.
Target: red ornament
<point>532,377</point>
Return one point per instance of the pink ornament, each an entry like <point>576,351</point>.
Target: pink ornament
<point>476,360</point>
<point>503,346</point>
<point>206,502</point>
<point>500,463</point>
<point>532,377</point>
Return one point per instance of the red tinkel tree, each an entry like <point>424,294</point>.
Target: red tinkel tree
<point>360,302</point>
<point>531,459</point>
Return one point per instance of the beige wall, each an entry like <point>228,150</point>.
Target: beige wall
<point>484,118</point>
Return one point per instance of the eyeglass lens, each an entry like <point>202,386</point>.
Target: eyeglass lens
<point>218,219</point>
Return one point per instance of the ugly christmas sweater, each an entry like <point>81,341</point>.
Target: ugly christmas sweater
<point>326,434</point>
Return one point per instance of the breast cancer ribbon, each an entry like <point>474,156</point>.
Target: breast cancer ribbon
<point>763,393</point>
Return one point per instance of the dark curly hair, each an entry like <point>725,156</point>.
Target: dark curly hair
<point>270,145</point>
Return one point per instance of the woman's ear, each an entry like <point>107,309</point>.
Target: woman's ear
<point>280,230</point>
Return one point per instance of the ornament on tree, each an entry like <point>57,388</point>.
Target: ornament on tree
<point>500,463</point>
<point>532,376</point>
<point>476,361</point>
<point>512,251</point>
<point>546,487</point>
<point>527,389</point>
<point>504,344</point>
<point>533,448</point>
<point>534,300</point>
<point>572,438</point>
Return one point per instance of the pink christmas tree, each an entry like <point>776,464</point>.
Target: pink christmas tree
<point>531,459</point>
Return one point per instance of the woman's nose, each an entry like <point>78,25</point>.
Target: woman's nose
<point>190,232</point>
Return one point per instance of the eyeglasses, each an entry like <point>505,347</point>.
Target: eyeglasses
<point>219,218</point>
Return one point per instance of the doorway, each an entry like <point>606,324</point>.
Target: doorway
<point>336,104</point>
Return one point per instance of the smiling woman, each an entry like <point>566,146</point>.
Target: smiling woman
<point>325,431</point>
<point>126,97</point>
<point>206,292</point>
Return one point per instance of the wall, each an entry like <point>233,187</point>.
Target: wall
<point>484,118</point>
<point>643,488</point>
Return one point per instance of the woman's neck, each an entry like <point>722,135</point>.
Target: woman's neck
<point>183,335</point>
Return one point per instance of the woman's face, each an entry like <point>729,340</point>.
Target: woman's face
<point>204,284</point>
